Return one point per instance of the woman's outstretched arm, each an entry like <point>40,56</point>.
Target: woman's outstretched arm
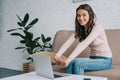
<point>66,45</point>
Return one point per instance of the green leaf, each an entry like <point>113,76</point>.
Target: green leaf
<point>31,23</point>
<point>23,41</point>
<point>14,29</point>
<point>36,39</point>
<point>19,18</point>
<point>18,34</point>
<point>20,47</point>
<point>34,21</point>
<point>28,27</point>
<point>50,45</point>
<point>48,39</point>
<point>25,20</point>
<point>20,24</point>
<point>43,38</point>
<point>39,45</point>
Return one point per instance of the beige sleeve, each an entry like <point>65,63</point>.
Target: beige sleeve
<point>96,31</point>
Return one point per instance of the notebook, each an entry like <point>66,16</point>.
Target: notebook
<point>44,68</point>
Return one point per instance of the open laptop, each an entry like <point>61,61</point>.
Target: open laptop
<point>44,68</point>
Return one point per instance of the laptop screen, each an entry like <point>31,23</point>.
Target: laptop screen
<point>43,66</point>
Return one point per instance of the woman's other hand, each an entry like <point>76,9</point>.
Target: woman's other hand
<point>63,63</point>
<point>56,59</point>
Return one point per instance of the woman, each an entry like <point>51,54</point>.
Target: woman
<point>89,34</point>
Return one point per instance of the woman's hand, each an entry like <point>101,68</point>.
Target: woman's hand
<point>63,63</point>
<point>59,62</point>
<point>56,59</point>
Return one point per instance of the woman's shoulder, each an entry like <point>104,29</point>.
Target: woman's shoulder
<point>98,24</point>
<point>97,28</point>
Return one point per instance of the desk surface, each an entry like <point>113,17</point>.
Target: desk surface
<point>33,76</point>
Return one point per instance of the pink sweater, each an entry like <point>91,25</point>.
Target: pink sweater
<point>96,40</point>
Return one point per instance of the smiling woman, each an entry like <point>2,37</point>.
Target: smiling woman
<point>90,34</point>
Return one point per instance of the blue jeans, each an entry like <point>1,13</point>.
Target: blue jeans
<point>93,63</point>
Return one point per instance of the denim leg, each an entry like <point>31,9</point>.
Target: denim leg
<point>79,65</point>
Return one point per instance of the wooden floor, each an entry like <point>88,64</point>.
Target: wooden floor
<point>8,72</point>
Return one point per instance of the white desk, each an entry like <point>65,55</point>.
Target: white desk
<point>33,76</point>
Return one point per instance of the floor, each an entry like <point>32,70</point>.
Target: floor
<point>8,72</point>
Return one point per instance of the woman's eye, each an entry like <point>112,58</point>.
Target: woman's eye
<point>84,15</point>
<point>78,15</point>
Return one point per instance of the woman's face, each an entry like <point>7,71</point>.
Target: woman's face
<point>82,17</point>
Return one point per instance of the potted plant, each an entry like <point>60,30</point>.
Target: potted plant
<point>30,43</point>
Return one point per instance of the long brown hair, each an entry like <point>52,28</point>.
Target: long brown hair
<point>80,32</point>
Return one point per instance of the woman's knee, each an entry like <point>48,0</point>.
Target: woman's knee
<point>78,68</point>
<point>78,65</point>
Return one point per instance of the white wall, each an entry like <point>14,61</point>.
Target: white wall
<point>53,15</point>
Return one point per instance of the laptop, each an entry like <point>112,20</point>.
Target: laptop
<point>44,68</point>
